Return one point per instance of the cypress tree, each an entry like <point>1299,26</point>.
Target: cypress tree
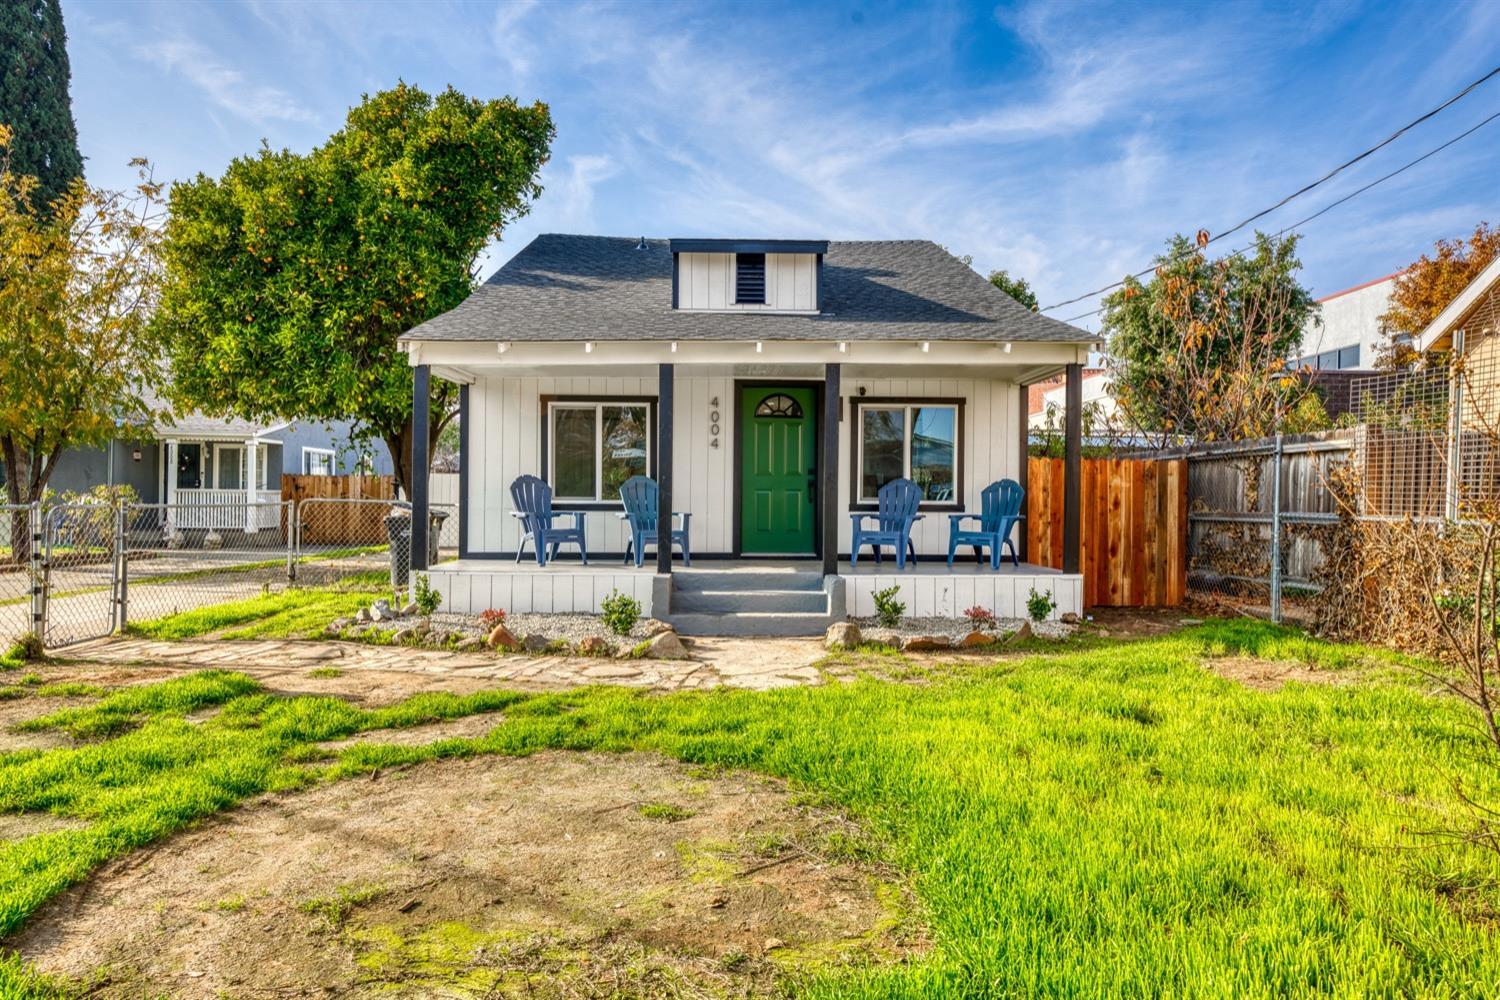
<point>34,95</point>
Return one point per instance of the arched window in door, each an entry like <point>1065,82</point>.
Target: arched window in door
<point>779,405</point>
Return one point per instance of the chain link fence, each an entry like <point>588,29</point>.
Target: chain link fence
<point>78,571</point>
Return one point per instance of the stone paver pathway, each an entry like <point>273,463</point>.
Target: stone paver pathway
<point>756,664</point>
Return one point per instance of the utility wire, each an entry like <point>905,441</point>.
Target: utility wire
<point>1305,188</point>
<point>1335,204</point>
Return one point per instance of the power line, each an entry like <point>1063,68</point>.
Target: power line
<point>1305,188</point>
<point>1335,204</point>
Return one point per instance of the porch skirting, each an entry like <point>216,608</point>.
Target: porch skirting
<point>929,590</point>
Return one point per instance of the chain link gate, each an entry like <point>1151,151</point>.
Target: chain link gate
<point>79,572</point>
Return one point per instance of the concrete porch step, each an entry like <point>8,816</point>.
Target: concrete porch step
<point>734,601</point>
<point>745,578</point>
<point>752,623</point>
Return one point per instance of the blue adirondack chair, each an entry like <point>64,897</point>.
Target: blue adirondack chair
<point>640,495</point>
<point>999,509</point>
<point>897,504</point>
<point>533,500</point>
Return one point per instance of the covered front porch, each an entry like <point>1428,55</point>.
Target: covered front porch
<point>220,483</point>
<point>770,447</point>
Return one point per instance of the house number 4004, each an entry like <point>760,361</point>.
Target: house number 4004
<point>713,423</point>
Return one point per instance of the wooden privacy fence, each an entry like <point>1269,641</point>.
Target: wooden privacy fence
<point>335,523</point>
<point>1132,528</point>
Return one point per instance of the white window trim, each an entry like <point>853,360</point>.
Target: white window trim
<point>908,432</point>
<point>308,452</point>
<point>212,478</point>
<point>598,407</point>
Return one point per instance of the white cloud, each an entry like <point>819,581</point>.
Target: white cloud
<point>222,85</point>
<point>511,44</point>
<point>572,195</point>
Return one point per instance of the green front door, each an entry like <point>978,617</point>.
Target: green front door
<point>778,472</point>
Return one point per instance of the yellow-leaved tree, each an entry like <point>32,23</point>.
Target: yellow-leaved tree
<point>78,356</point>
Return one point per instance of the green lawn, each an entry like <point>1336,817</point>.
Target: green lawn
<point>296,613</point>
<point>1114,821</point>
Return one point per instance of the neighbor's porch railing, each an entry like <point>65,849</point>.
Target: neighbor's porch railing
<point>222,510</point>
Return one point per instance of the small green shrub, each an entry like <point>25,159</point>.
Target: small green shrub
<point>427,599</point>
<point>620,612</point>
<point>888,610</point>
<point>1040,606</point>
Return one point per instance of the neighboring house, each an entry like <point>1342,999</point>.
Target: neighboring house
<point>201,465</point>
<point>1351,334</point>
<point>1046,399</point>
<point>800,376</point>
<point>1470,326</point>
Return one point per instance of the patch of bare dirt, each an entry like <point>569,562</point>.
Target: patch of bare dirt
<point>14,711</point>
<point>464,727</point>
<point>1270,675</point>
<point>559,875</point>
<point>18,826</point>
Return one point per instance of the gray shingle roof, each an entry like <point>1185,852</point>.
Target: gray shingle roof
<point>576,288</point>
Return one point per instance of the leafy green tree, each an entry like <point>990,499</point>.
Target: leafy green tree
<point>34,97</point>
<point>1017,288</point>
<point>290,277</point>
<point>1201,349</point>
<point>78,356</point>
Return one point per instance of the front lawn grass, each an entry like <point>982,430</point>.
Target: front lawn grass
<point>289,614</point>
<point>1114,821</point>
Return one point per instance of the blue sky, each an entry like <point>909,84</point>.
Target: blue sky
<point>1062,141</point>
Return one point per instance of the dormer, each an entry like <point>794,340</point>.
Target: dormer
<point>766,276</point>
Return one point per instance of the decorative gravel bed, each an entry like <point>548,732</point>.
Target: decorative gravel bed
<point>957,628</point>
<point>571,627</point>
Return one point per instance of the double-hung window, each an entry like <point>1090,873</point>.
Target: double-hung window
<point>594,446</point>
<point>317,462</point>
<point>908,439</point>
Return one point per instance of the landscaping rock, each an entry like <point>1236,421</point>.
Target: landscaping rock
<point>339,624</point>
<point>883,637</point>
<point>410,608</point>
<point>362,615</point>
<point>654,627</point>
<point>537,643</point>
<point>978,640</point>
<point>925,643</point>
<point>593,646</point>
<point>1024,632</point>
<point>213,540</point>
<point>436,638</point>
<point>403,635</point>
<point>381,611</point>
<point>500,638</point>
<point>841,635</point>
<point>665,646</point>
<point>1068,618</point>
<point>422,625</point>
<point>471,644</point>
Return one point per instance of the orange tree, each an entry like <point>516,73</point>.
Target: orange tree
<point>1422,291</point>
<point>78,357</point>
<point>1200,350</point>
<point>290,277</point>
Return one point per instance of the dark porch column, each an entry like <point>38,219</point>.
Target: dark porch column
<point>664,420</point>
<point>1072,467</point>
<point>1023,471</point>
<point>421,414</point>
<point>828,472</point>
<point>463,471</point>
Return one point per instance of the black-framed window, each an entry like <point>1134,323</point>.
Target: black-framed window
<point>916,439</point>
<point>750,279</point>
<point>592,445</point>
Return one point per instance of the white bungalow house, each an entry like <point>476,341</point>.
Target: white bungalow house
<point>770,387</point>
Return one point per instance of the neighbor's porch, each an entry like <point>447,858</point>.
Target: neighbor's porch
<point>220,483</point>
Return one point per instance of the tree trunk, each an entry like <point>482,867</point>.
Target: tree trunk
<point>398,443</point>
<point>26,478</point>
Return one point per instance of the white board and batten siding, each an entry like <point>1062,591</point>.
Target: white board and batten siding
<point>950,596</point>
<point>505,441</point>
<point>472,586</point>
<point>706,281</point>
